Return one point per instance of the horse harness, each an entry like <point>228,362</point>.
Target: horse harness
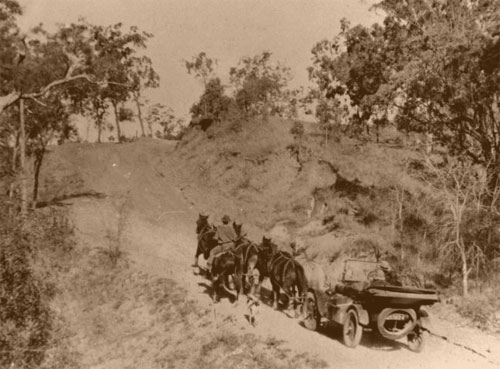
<point>251,245</point>
<point>207,229</point>
<point>291,259</point>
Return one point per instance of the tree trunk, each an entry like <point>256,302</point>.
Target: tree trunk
<point>150,126</point>
<point>15,152</point>
<point>99,129</point>
<point>22,161</point>
<point>465,273</point>
<point>139,114</point>
<point>117,121</point>
<point>87,132</point>
<point>37,166</point>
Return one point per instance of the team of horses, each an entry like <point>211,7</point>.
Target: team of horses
<point>243,268</point>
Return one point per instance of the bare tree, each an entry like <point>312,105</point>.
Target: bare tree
<point>459,190</point>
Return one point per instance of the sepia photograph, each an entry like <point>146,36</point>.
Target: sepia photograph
<point>249,184</point>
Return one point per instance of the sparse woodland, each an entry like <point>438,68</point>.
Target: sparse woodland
<point>400,152</point>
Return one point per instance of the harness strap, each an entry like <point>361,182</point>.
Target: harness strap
<point>251,245</point>
<point>204,231</point>
<point>273,262</point>
<point>285,266</point>
<point>243,243</point>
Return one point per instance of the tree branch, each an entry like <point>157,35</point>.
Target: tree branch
<point>56,83</point>
<point>8,100</point>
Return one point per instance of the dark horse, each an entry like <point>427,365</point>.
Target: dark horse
<point>287,274</point>
<point>206,238</point>
<point>253,261</point>
<point>226,275</point>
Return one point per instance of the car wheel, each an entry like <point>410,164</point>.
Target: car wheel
<point>351,330</point>
<point>309,312</point>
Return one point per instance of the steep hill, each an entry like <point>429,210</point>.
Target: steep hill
<point>329,200</point>
<point>125,200</point>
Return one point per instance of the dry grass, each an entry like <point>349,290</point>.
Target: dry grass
<point>110,315</point>
<point>250,174</point>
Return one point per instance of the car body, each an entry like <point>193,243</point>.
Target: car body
<point>364,300</point>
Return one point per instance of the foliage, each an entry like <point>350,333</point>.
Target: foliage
<point>431,64</point>
<point>163,116</point>
<point>125,114</point>
<point>480,309</point>
<point>202,67</point>
<point>26,318</point>
<point>297,130</point>
<point>468,217</point>
<point>214,103</point>
<point>7,162</point>
<point>292,102</point>
<point>45,125</point>
<point>114,60</point>
<point>142,75</point>
<point>259,84</point>
<point>10,43</point>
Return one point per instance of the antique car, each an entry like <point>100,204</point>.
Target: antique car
<point>365,300</point>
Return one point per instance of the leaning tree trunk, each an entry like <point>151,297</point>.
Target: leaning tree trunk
<point>22,161</point>
<point>117,121</point>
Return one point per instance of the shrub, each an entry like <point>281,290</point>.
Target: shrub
<point>480,310</point>
<point>32,251</point>
<point>25,317</point>
<point>297,130</point>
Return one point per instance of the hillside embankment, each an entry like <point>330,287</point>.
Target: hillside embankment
<point>137,203</point>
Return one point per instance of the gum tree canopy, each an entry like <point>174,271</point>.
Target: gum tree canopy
<point>433,63</point>
<point>59,70</point>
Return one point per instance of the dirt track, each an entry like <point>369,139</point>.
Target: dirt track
<point>159,238</point>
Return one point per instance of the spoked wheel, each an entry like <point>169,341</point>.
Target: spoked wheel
<point>352,330</point>
<point>309,312</point>
<point>416,340</point>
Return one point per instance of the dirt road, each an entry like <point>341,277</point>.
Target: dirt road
<point>155,225</point>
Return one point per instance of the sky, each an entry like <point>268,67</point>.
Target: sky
<point>225,29</point>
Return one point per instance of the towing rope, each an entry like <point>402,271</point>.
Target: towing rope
<point>444,338</point>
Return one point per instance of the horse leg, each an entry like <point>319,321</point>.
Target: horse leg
<point>196,256</point>
<point>258,287</point>
<point>276,295</point>
<point>215,292</point>
<point>295,303</point>
<point>238,286</point>
<point>244,281</point>
<point>289,292</point>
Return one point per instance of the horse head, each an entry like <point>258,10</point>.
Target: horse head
<point>201,223</point>
<point>267,249</point>
<point>237,228</point>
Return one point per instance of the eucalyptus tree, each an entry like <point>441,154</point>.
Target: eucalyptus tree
<point>202,68</point>
<point>142,76</point>
<point>259,84</point>
<point>432,63</point>
<point>35,66</point>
